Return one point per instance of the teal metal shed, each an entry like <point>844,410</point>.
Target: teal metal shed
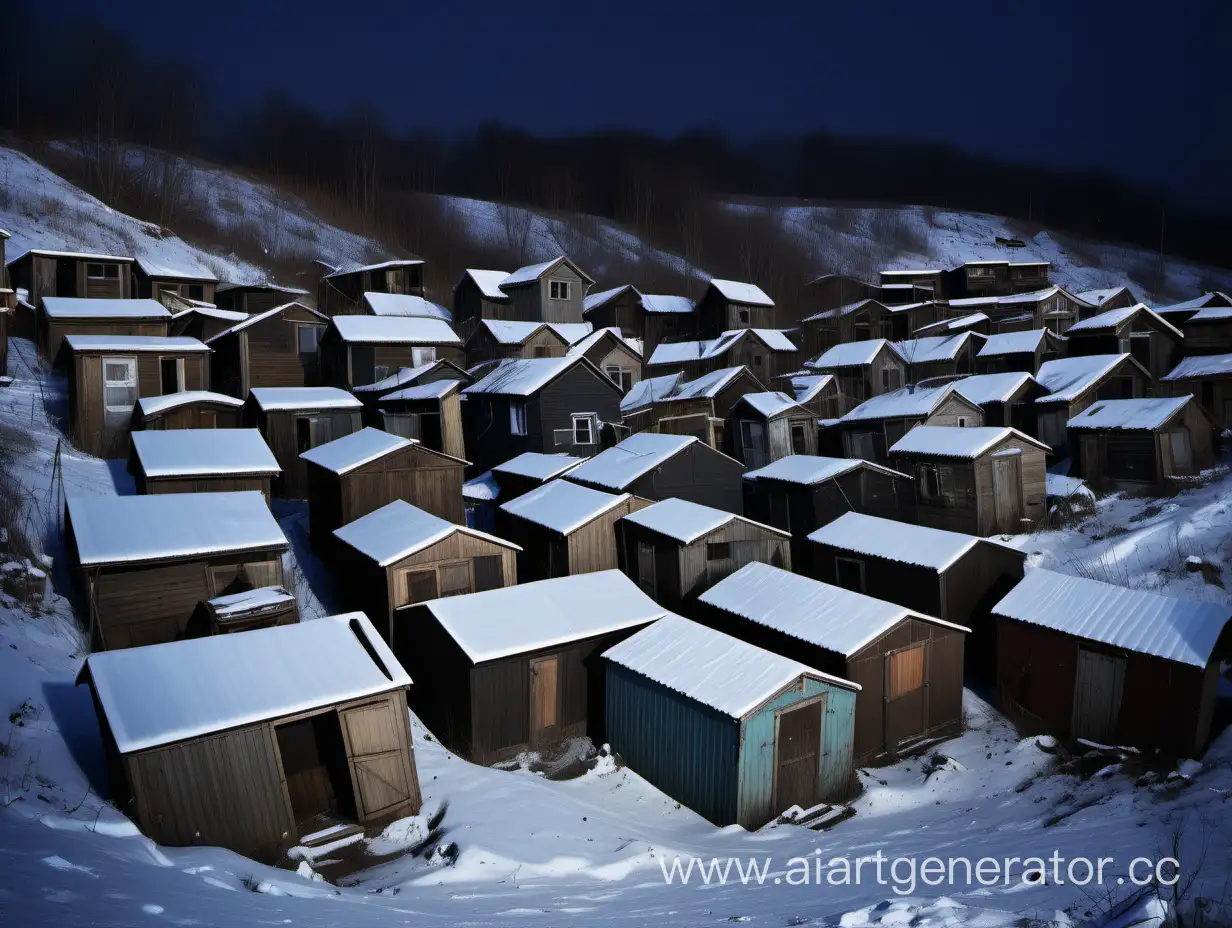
<point>734,732</point>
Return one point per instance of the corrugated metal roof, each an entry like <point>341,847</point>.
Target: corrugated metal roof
<point>898,541</point>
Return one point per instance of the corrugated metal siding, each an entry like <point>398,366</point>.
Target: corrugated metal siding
<point>757,755</point>
<point>687,750</point>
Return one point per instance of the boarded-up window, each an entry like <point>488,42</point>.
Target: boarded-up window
<point>906,671</point>
<point>489,573</point>
<point>420,585</point>
<point>455,579</point>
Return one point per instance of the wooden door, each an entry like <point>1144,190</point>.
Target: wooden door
<point>1006,492</point>
<point>1097,695</point>
<point>646,567</point>
<point>906,699</point>
<point>378,748</point>
<point>544,701</point>
<point>797,753</point>
<point>1182,453</point>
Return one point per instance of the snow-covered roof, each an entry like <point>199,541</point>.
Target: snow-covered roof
<point>203,452</point>
<point>618,466</point>
<point>911,271</point>
<point>270,399</point>
<point>1065,487</point>
<point>1145,413</point>
<point>263,287</point>
<point>678,352</point>
<point>851,354</point>
<point>897,541</point>
<point>903,403</point>
<point>153,405</point>
<point>572,332</point>
<point>562,506</point>
<point>687,521</point>
<point>1110,319</point>
<point>735,291</point>
<point>807,386</point>
<point>1099,297</point>
<point>950,442</point>
<point>405,304</point>
<point>811,469</point>
<point>152,268</point>
<point>525,376</point>
<point>511,331</point>
<point>128,529</point>
<point>1211,365</point>
<point>1210,298</point>
<point>390,330</point>
<point>71,307</point>
<point>953,325</point>
<point>992,388</point>
<point>262,316</point>
<point>595,300</point>
<point>710,667</point>
<point>211,312</point>
<point>537,465</point>
<point>1211,314</point>
<point>773,404</point>
<point>398,529</point>
<point>1066,379</point>
<point>236,604</point>
<point>934,347</point>
<point>708,386</point>
<point>382,266</point>
<point>1136,620</point>
<point>1027,342</point>
<point>171,692</point>
<point>666,303</point>
<point>131,344</point>
<point>651,390</point>
<point>583,345</point>
<point>482,489</point>
<point>532,272</point>
<point>435,390</point>
<point>488,283</point>
<point>343,455</point>
<point>830,617</point>
<point>75,255</point>
<point>543,614</point>
<point>402,377</point>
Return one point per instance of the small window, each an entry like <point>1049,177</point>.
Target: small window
<point>308,337</point>
<point>541,351</point>
<point>558,289</point>
<point>929,481</point>
<point>799,438</point>
<point>885,378</point>
<point>752,435</point>
<point>757,360</point>
<point>962,422</point>
<point>849,573</point>
<point>585,425</point>
<point>622,377</point>
<point>195,291</point>
<point>743,316</point>
<point>97,271</point>
<point>422,356</point>
<point>718,550</point>
<point>119,384</point>
<point>517,417</point>
<point>379,372</point>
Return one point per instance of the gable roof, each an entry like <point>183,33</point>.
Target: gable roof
<point>1209,298</point>
<point>595,300</point>
<point>619,466</point>
<point>562,506</point>
<point>159,526</point>
<point>1002,343</point>
<point>537,465</point>
<point>1066,379</point>
<point>405,304</point>
<point>903,542</point>
<point>903,403</point>
<point>433,390</point>
<point>71,307</point>
<point>153,405</point>
<point>210,312</point>
<point>952,325</point>
<point>1112,318</point>
<point>773,403</point>
<point>735,291</point>
<point>408,375</point>
<point>1211,365</point>
<point>203,452</point>
<point>666,303</point>
<point>513,332</point>
<point>934,348</point>
<point>1149,623</point>
<point>394,330</point>
<point>811,469</point>
<point>852,354</point>
<point>488,283</point>
<point>1099,297</point>
<point>1148,413</point>
<point>712,668</point>
<point>807,386</point>
<point>650,390</point>
<point>686,521</point>
<point>950,442</point>
<point>152,268</point>
<point>527,376</point>
<point>533,272</point>
<point>343,455</point>
<point>708,386</point>
<point>705,349</point>
<point>992,388</point>
<point>72,255</point>
<point>397,530</point>
<point>612,333</point>
<point>164,693</point>
<point>1210,314</point>
<point>840,621</point>
<point>176,344</point>
<point>271,399</point>
<point>381,266</point>
<point>543,614</point>
<point>262,316</point>
<point>228,286</point>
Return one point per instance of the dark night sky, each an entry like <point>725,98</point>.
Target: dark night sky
<point>1139,87</point>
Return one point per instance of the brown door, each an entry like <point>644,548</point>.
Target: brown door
<point>906,688</point>
<point>1006,492</point>
<point>378,746</point>
<point>646,567</point>
<point>544,701</point>
<point>1097,695</point>
<point>797,749</point>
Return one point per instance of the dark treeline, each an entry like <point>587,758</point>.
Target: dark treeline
<point>101,94</point>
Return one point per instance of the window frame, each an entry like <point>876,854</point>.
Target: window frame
<point>838,576</point>
<point>718,551</point>
<point>591,420</point>
<point>798,428</point>
<point>132,382</point>
<point>923,470</point>
<point>316,331</point>
<point>623,378</point>
<point>103,266</point>
<point>517,416</point>
<point>559,289</point>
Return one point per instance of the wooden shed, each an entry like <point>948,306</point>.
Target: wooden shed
<point>253,299</point>
<point>63,316</point>
<point>618,357</point>
<point>43,273</point>
<point>736,733</point>
<point>1149,339</point>
<point>188,409</point>
<point>295,419</point>
<point>940,355</point>
<point>530,470</point>
<point>871,428</point>
<point>1080,658</point>
<point>203,322</point>
<point>727,305</point>
<point>357,350</point>
<point>262,607</point>
<point>769,426</point>
<point>1106,299</point>
<point>1023,351</point>
<point>165,283</point>
<point>1006,399</point>
<point>518,668</point>
<point>275,348</point>
<point>429,412</point>
<point>1209,330</point>
<point>664,317</point>
<point>499,339</point>
<point>358,473</point>
<point>201,461</point>
<point>542,404</point>
<point>107,374</point>
<point>1143,440</point>
<point>981,481</point>
<point>618,307</point>
<point>1179,313</point>
<point>1209,378</point>
<point>340,290</point>
<point>477,295</point>
<point>399,555</point>
<point>551,291</point>
<point>947,574</point>
<point>252,742</point>
<point>654,466</point>
<point>675,550</point>
<point>801,493</point>
<point>908,664</point>
<point>564,529</point>
<point>700,407</point>
<point>1073,384</point>
<point>402,304</point>
<point>767,353</point>
<point>141,564</point>
<point>818,393</point>
<point>863,369</point>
